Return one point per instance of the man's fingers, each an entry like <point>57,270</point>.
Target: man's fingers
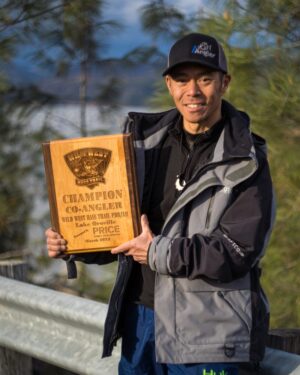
<point>51,233</point>
<point>56,248</point>
<point>122,248</point>
<point>56,242</point>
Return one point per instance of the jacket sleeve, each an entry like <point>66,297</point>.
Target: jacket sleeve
<point>233,247</point>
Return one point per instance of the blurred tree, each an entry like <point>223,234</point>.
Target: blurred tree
<point>159,18</point>
<point>59,35</point>
<point>275,114</point>
<point>18,156</point>
<point>16,153</point>
<point>62,35</point>
<point>262,41</point>
<point>14,205</point>
<point>80,34</point>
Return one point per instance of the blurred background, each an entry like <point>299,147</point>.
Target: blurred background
<point>72,68</point>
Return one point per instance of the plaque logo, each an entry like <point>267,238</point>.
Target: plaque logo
<point>88,165</point>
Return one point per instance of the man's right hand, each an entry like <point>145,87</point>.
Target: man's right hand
<point>56,244</point>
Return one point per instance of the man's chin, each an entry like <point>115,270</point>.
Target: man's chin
<point>196,120</point>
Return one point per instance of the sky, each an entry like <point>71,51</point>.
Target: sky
<point>128,14</point>
<point>121,41</point>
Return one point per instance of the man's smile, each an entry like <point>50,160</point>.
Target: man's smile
<point>195,106</point>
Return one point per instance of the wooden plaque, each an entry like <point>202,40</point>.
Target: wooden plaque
<point>92,191</point>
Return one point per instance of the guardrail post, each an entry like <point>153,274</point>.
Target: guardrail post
<point>11,362</point>
<point>286,339</point>
<point>14,269</point>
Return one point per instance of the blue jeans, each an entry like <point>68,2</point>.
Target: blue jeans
<point>138,349</point>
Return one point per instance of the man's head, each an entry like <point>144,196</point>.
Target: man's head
<point>197,49</point>
<point>197,79</point>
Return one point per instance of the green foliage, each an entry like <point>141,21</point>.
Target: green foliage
<point>20,167</point>
<point>19,150</point>
<point>63,35</point>
<point>262,43</point>
<point>159,18</point>
<point>271,86</point>
<point>14,202</point>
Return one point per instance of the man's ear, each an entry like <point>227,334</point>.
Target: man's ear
<point>225,82</point>
<point>168,83</point>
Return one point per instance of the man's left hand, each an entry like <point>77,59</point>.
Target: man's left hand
<point>137,247</point>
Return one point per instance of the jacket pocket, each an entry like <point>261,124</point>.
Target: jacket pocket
<point>236,302</point>
<point>213,317</point>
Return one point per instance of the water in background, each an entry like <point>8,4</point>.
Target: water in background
<point>65,118</point>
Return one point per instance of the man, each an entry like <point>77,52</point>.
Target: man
<point>187,297</point>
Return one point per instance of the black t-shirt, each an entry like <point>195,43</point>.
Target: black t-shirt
<point>178,155</point>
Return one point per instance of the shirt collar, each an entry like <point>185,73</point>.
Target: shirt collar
<point>177,131</point>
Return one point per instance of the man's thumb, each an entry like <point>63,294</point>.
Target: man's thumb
<point>144,223</point>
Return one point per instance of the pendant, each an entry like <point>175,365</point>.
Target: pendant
<point>179,183</point>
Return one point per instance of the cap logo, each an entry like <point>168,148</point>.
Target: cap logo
<point>203,49</point>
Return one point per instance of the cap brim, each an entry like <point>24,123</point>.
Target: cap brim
<point>193,62</point>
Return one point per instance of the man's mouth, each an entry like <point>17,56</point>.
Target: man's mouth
<point>195,105</point>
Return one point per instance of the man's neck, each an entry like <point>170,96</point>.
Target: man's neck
<point>203,126</point>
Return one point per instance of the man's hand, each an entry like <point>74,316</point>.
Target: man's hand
<point>138,247</point>
<point>56,245</point>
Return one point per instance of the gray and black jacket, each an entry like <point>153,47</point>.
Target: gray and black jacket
<point>209,305</point>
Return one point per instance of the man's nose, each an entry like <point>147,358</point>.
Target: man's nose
<point>194,89</point>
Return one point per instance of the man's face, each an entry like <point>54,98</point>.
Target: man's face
<point>197,93</point>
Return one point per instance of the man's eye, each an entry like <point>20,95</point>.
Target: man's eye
<point>181,80</point>
<point>205,79</point>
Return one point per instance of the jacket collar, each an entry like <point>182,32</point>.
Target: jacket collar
<point>234,158</point>
<point>235,140</point>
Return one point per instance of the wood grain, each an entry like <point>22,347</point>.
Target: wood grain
<point>92,191</point>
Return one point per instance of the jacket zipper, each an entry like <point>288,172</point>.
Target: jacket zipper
<point>210,205</point>
<point>127,128</point>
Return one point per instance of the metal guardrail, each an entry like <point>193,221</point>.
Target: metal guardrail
<point>67,331</point>
<point>277,362</point>
<point>54,327</point>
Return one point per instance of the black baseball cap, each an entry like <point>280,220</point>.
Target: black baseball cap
<point>197,49</point>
